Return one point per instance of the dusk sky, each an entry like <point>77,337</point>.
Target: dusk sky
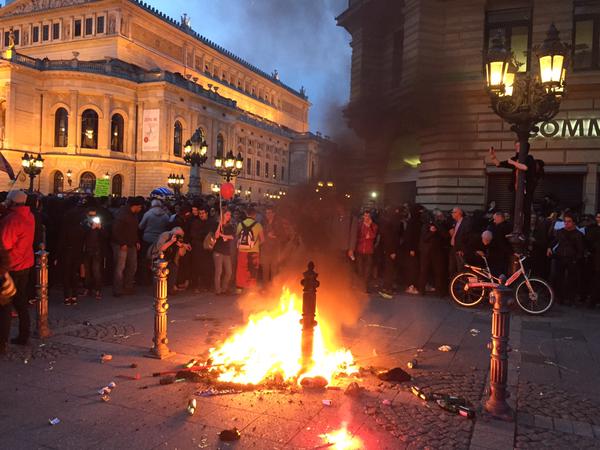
<point>299,38</point>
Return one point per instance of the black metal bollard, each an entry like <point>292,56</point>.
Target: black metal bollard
<point>496,405</point>
<point>309,307</point>
<point>160,350</point>
<point>41,288</point>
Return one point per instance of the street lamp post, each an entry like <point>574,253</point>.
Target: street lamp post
<point>230,166</point>
<point>176,182</point>
<point>32,167</point>
<point>195,154</point>
<point>523,101</point>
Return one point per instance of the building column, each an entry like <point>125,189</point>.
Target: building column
<point>9,125</point>
<point>74,121</point>
<point>104,124</point>
<point>590,189</point>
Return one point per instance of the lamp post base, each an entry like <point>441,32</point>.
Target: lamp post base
<point>159,354</point>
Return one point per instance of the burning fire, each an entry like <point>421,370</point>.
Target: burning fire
<point>342,439</point>
<point>269,347</point>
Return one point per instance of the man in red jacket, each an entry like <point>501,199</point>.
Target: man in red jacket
<point>16,236</point>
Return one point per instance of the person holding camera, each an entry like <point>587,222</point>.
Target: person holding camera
<point>171,245</point>
<point>93,255</point>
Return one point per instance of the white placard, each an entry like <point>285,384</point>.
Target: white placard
<point>150,130</point>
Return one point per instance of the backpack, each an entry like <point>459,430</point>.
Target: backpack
<point>247,240</point>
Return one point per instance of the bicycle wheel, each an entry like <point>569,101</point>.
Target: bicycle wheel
<point>463,296</point>
<point>539,300</point>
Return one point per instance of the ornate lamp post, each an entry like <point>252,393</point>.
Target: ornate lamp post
<point>195,154</point>
<point>176,182</point>
<point>524,100</point>
<point>32,167</point>
<point>230,167</point>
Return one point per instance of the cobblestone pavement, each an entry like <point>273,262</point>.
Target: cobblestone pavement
<point>63,373</point>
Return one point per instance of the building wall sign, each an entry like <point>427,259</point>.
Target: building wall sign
<point>150,130</point>
<point>570,128</point>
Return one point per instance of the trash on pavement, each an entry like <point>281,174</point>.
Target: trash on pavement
<point>444,348</point>
<point>135,377</point>
<point>54,421</point>
<point>396,374</point>
<point>191,407</point>
<point>211,392</point>
<point>191,363</point>
<point>386,402</point>
<point>412,364</point>
<point>230,435</point>
<point>170,380</point>
<point>87,323</point>
<point>327,402</point>
<point>353,389</point>
<point>313,382</point>
<point>133,366</point>
<point>105,357</point>
<point>105,398</point>
<point>474,331</point>
<point>417,391</point>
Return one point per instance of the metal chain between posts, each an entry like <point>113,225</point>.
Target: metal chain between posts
<point>160,350</point>
<point>41,287</point>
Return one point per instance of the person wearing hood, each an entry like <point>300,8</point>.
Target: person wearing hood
<point>154,222</point>
<point>17,229</point>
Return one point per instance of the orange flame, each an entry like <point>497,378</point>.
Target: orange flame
<point>270,345</point>
<point>342,439</point>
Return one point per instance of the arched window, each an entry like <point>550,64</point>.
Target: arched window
<point>177,138</point>
<point>117,131</point>
<point>61,127</point>
<point>58,182</point>
<point>117,186</point>
<point>89,129</point>
<point>266,170</point>
<point>87,182</point>
<point>220,145</point>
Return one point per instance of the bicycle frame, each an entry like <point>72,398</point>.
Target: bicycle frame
<point>487,274</point>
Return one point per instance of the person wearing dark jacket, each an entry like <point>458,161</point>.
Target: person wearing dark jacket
<point>125,245</point>
<point>592,242</point>
<point>432,250</point>
<point>501,247</point>
<point>486,246</point>
<point>201,262</point>
<point>7,291</point>
<point>391,231</point>
<point>567,251</point>
<point>16,236</point>
<point>94,240</point>
<point>69,256</point>
<point>459,236</point>
<point>412,237</point>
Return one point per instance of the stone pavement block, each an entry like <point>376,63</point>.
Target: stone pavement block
<point>494,434</point>
<point>264,428</point>
<point>543,422</point>
<point>596,430</point>
<point>582,429</point>
<point>563,425</point>
<point>525,419</point>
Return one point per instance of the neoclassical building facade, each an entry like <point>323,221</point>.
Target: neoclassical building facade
<point>113,89</point>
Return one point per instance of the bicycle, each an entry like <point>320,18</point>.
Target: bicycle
<point>533,295</point>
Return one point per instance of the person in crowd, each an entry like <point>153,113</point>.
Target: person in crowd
<point>566,249</point>
<point>391,236</point>
<point>171,245</point>
<point>486,246</point>
<point>154,222</point>
<point>592,243</point>
<point>339,231</point>
<point>94,239</point>
<point>125,245</point>
<point>459,236</point>
<point>271,247</point>
<point>502,249</point>
<point>224,235</point>
<point>250,238</point>
<point>7,292</point>
<point>17,230</point>
<point>363,250</point>
<point>201,270</point>
<point>412,237</point>
<point>69,255</point>
<point>433,256</point>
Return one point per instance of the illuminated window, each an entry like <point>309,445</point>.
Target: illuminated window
<point>513,28</point>
<point>87,182</point>
<point>586,42</point>
<point>117,185</point>
<point>61,127</point>
<point>177,139</point>
<point>117,131</point>
<point>89,129</point>
<point>58,182</point>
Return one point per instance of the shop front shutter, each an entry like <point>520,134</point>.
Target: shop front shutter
<point>497,191</point>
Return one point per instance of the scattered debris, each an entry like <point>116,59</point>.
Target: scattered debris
<point>87,323</point>
<point>474,331</point>
<point>327,402</point>
<point>135,377</point>
<point>396,374</point>
<point>412,364</point>
<point>456,405</point>
<point>170,380</point>
<point>386,402</point>
<point>376,325</point>
<point>105,357</point>
<point>230,435</point>
<point>105,398</point>
<point>211,392</point>
<point>353,389</point>
<point>133,366</point>
<point>444,348</point>
<point>191,407</point>
<point>106,390</point>
<point>54,421</point>
<point>313,382</point>
<point>191,363</point>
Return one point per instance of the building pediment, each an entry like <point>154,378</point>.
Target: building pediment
<point>19,7</point>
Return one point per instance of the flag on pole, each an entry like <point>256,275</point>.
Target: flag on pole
<point>5,167</point>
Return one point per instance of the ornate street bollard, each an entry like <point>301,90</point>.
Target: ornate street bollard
<point>41,288</point>
<point>496,405</point>
<point>160,350</point>
<point>309,306</point>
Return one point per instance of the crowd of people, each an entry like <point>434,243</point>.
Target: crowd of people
<point>97,244</point>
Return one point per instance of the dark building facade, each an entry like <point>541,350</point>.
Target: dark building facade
<point>418,99</point>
